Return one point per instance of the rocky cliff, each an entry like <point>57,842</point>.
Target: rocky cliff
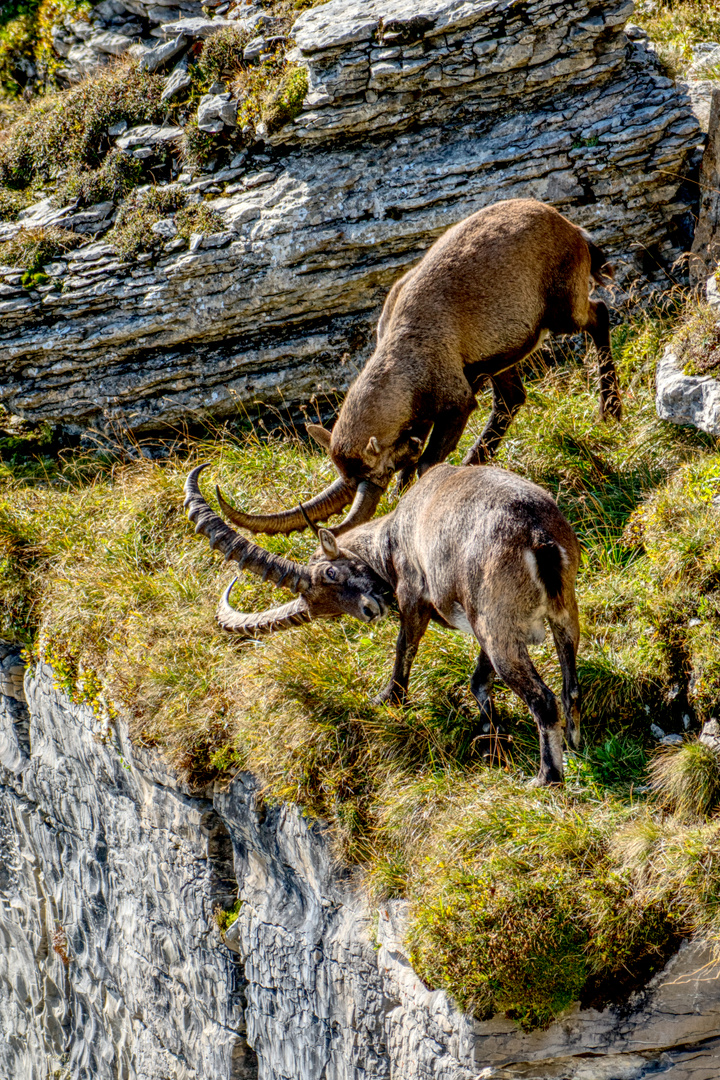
<point>416,116</point>
<point>111,963</point>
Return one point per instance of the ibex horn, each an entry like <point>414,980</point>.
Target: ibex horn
<point>330,501</point>
<point>264,622</point>
<point>249,555</point>
<point>364,506</point>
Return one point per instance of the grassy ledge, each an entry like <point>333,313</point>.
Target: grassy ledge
<point>521,901</point>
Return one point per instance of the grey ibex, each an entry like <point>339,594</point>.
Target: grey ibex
<point>482,299</point>
<point>477,550</point>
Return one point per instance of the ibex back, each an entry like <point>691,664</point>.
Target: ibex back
<point>477,550</point>
<point>481,300</point>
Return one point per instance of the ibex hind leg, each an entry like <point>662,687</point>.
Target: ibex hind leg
<point>516,668</point>
<point>481,686</point>
<point>598,327</point>
<point>565,634</point>
<point>486,735</point>
<point>508,395</point>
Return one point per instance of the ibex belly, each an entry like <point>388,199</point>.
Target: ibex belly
<point>533,628</point>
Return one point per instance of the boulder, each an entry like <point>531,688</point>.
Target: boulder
<point>149,135</point>
<point>158,57</point>
<point>177,81</point>
<point>686,399</point>
<point>196,28</point>
<point>216,111</point>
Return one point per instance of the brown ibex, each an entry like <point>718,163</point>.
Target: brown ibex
<point>477,550</point>
<point>483,298</point>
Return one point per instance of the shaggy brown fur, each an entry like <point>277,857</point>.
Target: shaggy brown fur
<point>477,550</point>
<point>481,300</point>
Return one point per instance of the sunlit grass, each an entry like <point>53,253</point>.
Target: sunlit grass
<point>521,900</point>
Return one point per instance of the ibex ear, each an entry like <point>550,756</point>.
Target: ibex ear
<point>328,543</point>
<point>372,451</point>
<point>320,434</point>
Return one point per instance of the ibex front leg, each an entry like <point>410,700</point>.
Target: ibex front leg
<point>414,619</point>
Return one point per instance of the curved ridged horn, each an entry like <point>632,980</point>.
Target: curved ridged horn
<point>364,506</point>
<point>263,622</point>
<point>330,501</point>
<point>248,555</point>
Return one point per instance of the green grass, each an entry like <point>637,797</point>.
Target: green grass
<point>675,26</point>
<point>521,901</point>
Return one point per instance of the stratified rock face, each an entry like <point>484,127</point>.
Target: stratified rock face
<point>110,962</point>
<point>705,256</point>
<point>417,116</point>
<point>111,967</point>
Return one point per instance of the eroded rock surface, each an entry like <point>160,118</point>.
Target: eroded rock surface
<point>111,966</point>
<point>416,117</point>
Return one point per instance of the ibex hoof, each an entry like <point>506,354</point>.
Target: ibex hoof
<point>389,696</point>
<point>611,410</point>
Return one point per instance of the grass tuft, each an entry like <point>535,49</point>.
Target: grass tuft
<point>686,778</point>
<point>31,248</point>
<point>222,55</point>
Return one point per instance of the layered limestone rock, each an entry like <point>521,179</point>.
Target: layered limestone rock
<point>111,965</point>
<point>417,116</point>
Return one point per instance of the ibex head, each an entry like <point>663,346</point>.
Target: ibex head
<point>334,582</point>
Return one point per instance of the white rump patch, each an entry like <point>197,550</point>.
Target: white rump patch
<point>531,563</point>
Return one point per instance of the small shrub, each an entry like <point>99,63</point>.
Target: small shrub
<point>197,218</point>
<point>133,229</point>
<point>32,248</point>
<point>132,233</point>
<point>11,203</point>
<point>198,146</point>
<point>272,92</point>
<point>222,54</point>
<point>116,177</point>
<point>225,918</point>
<point>283,103</point>
<point>70,128</point>
<point>686,778</point>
